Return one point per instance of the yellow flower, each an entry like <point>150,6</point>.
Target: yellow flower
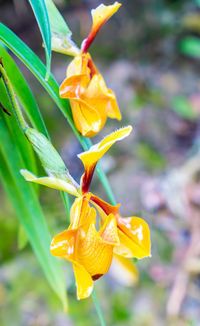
<point>91,251</point>
<point>91,101</point>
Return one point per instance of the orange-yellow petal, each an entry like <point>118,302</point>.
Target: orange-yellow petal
<point>94,249</point>
<point>109,232</point>
<point>91,157</point>
<point>63,245</point>
<point>84,283</point>
<point>71,87</point>
<point>103,207</point>
<point>81,213</point>
<point>102,98</point>
<point>86,118</point>
<point>100,16</point>
<point>134,236</point>
<point>124,270</point>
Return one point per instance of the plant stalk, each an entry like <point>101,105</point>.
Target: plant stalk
<point>98,308</point>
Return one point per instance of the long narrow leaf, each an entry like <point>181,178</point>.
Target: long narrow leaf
<point>29,58</point>
<point>57,22</point>
<point>23,92</point>
<point>16,134</point>
<point>41,15</point>
<point>27,207</point>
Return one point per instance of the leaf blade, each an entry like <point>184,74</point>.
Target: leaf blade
<point>41,15</point>
<point>28,209</point>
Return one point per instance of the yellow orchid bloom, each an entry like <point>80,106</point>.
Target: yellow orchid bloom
<point>91,251</point>
<point>91,101</point>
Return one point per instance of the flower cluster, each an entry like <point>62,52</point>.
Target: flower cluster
<point>88,247</point>
<point>91,101</point>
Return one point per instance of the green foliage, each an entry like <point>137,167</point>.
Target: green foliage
<point>183,108</point>
<point>26,204</point>
<point>23,92</point>
<point>49,157</point>
<point>190,46</point>
<point>41,15</point>
<point>16,153</point>
<point>22,239</point>
<point>57,23</point>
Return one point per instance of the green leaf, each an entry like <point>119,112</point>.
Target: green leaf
<point>60,32</point>
<point>23,92</point>
<point>34,64</point>
<point>22,238</point>
<point>190,46</point>
<point>183,107</point>
<point>41,15</point>
<point>24,147</point>
<point>27,207</point>
<point>57,22</point>
<point>48,155</point>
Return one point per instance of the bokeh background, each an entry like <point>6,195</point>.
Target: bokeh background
<point>149,54</point>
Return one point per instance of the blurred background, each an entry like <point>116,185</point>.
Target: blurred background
<point>149,54</point>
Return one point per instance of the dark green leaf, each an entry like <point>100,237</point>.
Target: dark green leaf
<point>23,92</point>
<point>41,15</point>
<point>27,207</point>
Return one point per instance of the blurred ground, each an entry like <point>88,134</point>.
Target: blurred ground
<point>154,173</point>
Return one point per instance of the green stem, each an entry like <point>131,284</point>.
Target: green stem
<point>67,204</point>
<point>98,308</point>
<point>20,119</point>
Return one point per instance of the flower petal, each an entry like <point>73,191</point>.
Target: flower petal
<point>71,86</point>
<point>109,231</point>
<point>91,157</point>
<point>84,283</point>
<point>63,245</point>
<point>100,16</point>
<point>124,270</point>
<point>97,90</point>
<point>81,213</point>
<point>86,118</point>
<point>51,182</point>
<point>93,252</point>
<point>103,207</point>
<point>134,236</point>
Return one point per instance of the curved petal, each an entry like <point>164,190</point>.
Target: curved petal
<point>98,91</point>
<point>71,87</point>
<point>109,232</point>
<point>63,245</point>
<point>103,207</point>
<point>93,252</point>
<point>81,213</point>
<point>100,16</point>
<point>91,157</point>
<point>51,182</point>
<point>134,236</point>
<point>124,270</point>
<point>87,120</point>
<point>84,283</point>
